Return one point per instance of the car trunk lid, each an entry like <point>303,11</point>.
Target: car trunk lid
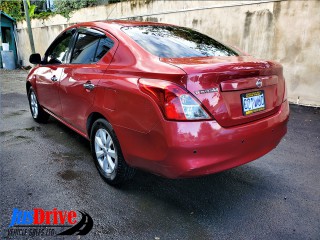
<point>235,90</point>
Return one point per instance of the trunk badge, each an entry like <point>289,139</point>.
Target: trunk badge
<point>259,83</point>
<point>211,90</point>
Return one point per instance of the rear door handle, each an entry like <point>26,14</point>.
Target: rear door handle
<point>88,85</point>
<point>54,78</point>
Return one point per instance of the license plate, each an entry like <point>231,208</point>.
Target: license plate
<point>252,102</point>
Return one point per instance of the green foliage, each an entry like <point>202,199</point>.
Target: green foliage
<point>13,8</point>
<point>66,7</point>
<point>36,9</point>
<point>43,15</point>
<point>31,9</point>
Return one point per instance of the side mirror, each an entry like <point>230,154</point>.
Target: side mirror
<point>35,58</point>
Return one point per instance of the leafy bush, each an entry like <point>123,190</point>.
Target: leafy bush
<point>31,8</point>
<point>66,7</point>
<point>13,8</point>
<point>43,15</point>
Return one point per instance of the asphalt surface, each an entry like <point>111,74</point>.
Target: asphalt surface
<point>49,166</point>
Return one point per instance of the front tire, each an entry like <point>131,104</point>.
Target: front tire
<point>37,112</point>
<point>107,154</point>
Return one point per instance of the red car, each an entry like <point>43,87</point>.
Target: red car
<point>158,97</point>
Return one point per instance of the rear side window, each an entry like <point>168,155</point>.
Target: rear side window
<point>105,44</point>
<point>177,42</point>
<point>90,48</point>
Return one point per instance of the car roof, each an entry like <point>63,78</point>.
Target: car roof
<point>128,23</point>
<point>117,24</point>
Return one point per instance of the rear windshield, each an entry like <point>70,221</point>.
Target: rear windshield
<point>177,42</point>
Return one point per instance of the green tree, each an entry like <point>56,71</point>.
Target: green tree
<point>13,8</point>
<point>66,7</point>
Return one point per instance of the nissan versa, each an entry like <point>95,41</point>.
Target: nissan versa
<point>158,97</point>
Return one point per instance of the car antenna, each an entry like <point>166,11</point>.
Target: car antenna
<point>115,5</point>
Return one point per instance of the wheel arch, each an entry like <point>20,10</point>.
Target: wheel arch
<point>91,119</point>
<point>28,86</point>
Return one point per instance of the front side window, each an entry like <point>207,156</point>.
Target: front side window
<point>90,48</point>
<point>58,54</point>
<point>177,42</point>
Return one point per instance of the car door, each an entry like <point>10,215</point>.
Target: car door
<point>81,77</point>
<point>49,73</point>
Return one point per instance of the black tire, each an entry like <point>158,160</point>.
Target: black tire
<point>38,115</point>
<point>107,154</point>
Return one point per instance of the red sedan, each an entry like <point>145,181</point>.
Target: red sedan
<point>158,97</point>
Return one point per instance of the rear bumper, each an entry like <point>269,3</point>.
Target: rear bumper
<point>187,149</point>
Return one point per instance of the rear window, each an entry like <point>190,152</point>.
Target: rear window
<point>177,42</point>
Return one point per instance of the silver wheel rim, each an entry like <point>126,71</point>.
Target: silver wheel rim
<point>105,151</point>
<point>34,105</point>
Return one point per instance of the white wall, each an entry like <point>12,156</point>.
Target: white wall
<point>285,31</point>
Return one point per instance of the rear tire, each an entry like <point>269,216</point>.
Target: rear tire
<point>107,154</point>
<point>37,112</point>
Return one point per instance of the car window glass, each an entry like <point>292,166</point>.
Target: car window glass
<point>85,48</point>
<point>105,44</point>
<point>177,42</point>
<point>59,52</point>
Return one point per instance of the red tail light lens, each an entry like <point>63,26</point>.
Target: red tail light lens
<point>175,102</point>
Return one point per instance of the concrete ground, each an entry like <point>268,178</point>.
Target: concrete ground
<point>49,166</point>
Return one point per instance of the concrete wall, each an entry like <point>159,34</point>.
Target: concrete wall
<point>285,31</point>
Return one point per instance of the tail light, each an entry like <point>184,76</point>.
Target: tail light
<point>175,102</point>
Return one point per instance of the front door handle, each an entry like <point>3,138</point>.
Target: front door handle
<point>54,78</point>
<point>88,85</point>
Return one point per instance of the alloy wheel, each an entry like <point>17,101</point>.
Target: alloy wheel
<point>105,151</point>
<point>34,104</point>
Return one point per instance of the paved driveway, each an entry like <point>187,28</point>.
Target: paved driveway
<point>49,166</point>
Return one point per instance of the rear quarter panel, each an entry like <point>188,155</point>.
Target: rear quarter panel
<point>118,96</point>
